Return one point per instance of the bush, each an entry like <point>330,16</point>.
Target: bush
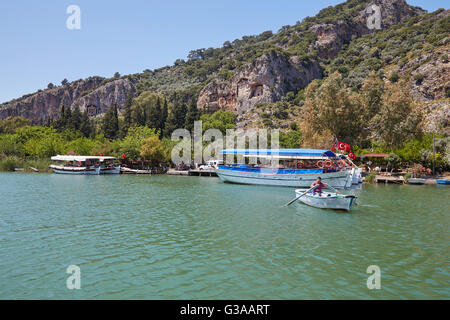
<point>371,177</point>
<point>393,77</point>
<point>10,163</point>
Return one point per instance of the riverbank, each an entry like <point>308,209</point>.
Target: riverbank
<point>27,165</point>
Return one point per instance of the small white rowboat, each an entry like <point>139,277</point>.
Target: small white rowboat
<point>327,200</point>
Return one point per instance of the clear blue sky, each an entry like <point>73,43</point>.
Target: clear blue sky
<point>129,36</point>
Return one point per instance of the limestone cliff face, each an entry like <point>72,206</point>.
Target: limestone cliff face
<point>46,104</point>
<point>271,76</point>
<point>115,92</point>
<point>268,79</point>
<point>330,37</point>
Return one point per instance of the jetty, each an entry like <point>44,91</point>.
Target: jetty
<point>193,172</point>
<point>389,179</point>
<point>174,172</point>
<point>203,173</point>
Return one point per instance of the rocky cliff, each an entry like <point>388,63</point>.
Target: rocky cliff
<point>270,77</point>
<point>92,92</point>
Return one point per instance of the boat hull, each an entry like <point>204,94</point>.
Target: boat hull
<point>334,179</point>
<point>357,176</point>
<point>442,181</point>
<point>334,201</point>
<point>75,170</point>
<point>417,181</point>
<point>110,170</point>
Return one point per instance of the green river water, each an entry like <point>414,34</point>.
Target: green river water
<point>165,237</point>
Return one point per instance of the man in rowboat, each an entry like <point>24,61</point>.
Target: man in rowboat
<point>319,185</point>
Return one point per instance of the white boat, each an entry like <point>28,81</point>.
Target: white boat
<point>416,181</point>
<point>327,200</point>
<point>337,177</point>
<point>84,165</point>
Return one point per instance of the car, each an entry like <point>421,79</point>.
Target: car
<point>211,165</point>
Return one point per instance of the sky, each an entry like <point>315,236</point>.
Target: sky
<point>37,48</point>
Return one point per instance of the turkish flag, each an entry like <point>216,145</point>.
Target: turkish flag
<point>343,146</point>
<point>351,155</point>
<point>123,156</point>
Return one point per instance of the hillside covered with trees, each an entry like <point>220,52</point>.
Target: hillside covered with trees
<point>325,77</point>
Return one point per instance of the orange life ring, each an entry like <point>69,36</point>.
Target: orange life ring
<point>319,164</point>
<point>328,163</point>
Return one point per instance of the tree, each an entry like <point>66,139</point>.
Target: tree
<point>11,124</point>
<point>127,117</point>
<point>221,120</point>
<point>152,149</point>
<point>110,126</point>
<point>117,75</point>
<point>64,82</point>
<point>50,86</point>
<point>75,121</point>
<point>85,125</point>
<point>132,143</point>
<point>291,139</point>
<point>66,118</point>
<point>192,115</point>
<point>331,107</point>
<point>398,119</point>
<point>164,114</point>
<point>175,118</point>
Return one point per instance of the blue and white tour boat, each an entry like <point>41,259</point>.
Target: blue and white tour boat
<point>288,168</point>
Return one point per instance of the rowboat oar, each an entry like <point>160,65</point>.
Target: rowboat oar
<point>296,198</point>
<point>333,189</point>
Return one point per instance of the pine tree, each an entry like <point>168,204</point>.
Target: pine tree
<point>127,118</point>
<point>164,114</point>
<point>110,125</point>
<point>59,123</point>
<point>76,119</point>
<point>158,112</point>
<point>67,118</point>
<point>85,125</point>
<point>176,118</point>
<point>192,115</point>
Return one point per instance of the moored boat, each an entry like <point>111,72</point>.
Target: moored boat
<point>84,165</point>
<point>326,200</point>
<point>418,181</point>
<point>443,181</point>
<point>296,168</point>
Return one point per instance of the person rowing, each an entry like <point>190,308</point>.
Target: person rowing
<point>319,185</point>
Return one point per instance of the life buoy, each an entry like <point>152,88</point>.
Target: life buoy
<point>341,164</point>
<point>328,164</point>
<point>319,164</point>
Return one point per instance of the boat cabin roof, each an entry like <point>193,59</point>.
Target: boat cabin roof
<point>80,158</point>
<point>282,153</point>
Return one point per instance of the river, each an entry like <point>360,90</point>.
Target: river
<point>169,237</point>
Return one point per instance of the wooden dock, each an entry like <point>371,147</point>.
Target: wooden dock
<point>202,173</point>
<point>389,179</point>
<point>174,172</point>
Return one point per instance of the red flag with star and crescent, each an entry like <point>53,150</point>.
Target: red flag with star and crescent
<point>343,146</point>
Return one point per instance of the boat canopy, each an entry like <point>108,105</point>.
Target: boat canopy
<point>281,153</point>
<point>80,158</point>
